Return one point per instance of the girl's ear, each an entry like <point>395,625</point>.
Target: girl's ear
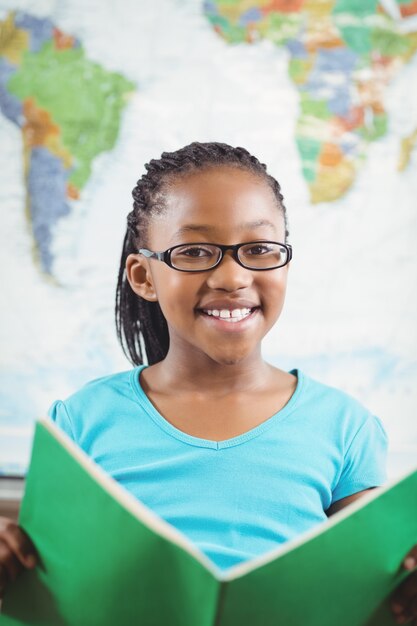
<point>140,278</point>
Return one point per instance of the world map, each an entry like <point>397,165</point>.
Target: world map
<point>323,91</point>
<point>343,54</point>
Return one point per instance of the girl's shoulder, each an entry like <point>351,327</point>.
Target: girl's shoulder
<point>324,393</point>
<point>95,402</point>
<point>105,386</point>
<point>334,408</point>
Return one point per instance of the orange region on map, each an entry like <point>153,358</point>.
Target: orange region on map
<point>407,10</point>
<point>285,6</point>
<point>13,41</point>
<point>38,125</point>
<point>72,191</point>
<point>39,129</point>
<point>62,41</point>
<point>330,155</point>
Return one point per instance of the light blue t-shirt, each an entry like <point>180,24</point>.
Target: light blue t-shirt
<point>238,498</point>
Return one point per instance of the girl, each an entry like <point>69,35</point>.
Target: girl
<point>238,455</point>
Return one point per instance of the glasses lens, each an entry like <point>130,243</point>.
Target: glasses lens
<point>195,257</point>
<point>263,255</point>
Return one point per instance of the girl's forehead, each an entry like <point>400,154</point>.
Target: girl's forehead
<point>220,204</point>
<point>226,182</point>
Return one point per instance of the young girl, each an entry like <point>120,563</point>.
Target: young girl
<point>237,454</point>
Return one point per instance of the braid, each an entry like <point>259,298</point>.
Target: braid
<point>141,325</point>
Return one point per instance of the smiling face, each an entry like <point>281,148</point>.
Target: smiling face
<point>223,205</point>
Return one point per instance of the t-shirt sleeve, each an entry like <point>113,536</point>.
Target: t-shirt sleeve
<point>364,461</point>
<point>59,414</point>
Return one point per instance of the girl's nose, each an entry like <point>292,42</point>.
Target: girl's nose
<point>229,275</point>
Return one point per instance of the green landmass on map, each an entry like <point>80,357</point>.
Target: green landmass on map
<point>69,109</point>
<point>342,56</point>
<point>82,98</point>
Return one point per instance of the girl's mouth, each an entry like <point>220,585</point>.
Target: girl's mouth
<point>228,319</point>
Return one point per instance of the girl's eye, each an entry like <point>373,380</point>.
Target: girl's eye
<point>258,249</point>
<point>194,257</point>
<point>195,252</point>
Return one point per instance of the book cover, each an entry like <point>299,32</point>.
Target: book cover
<point>107,559</point>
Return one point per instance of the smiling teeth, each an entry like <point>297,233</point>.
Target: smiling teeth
<point>236,315</point>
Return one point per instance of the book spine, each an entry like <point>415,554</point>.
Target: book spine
<point>220,604</point>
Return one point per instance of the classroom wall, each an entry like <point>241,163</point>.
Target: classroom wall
<point>323,91</point>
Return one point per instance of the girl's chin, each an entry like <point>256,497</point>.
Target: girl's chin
<point>233,356</point>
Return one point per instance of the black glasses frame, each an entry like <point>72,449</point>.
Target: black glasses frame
<point>165,256</point>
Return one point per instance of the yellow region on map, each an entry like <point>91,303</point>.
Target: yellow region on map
<point>406,148</point>
<point>13,40</point>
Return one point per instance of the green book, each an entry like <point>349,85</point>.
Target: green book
<point>108,560</point>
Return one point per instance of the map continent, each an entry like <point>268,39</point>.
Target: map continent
<point>69,111</point>
<point>342,56</point>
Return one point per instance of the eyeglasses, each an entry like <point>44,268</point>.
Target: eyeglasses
<point>201,257</point>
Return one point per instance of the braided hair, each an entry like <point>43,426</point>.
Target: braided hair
<point>140,324</point>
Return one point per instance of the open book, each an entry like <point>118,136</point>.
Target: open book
<point>108,560</point>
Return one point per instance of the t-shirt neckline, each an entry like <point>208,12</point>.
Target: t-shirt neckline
<point>208,443</point>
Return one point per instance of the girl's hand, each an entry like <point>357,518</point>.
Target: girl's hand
<point>404,598</point>
<point>16,552</point>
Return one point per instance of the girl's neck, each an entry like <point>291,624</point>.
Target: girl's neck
<point>179,371</point>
